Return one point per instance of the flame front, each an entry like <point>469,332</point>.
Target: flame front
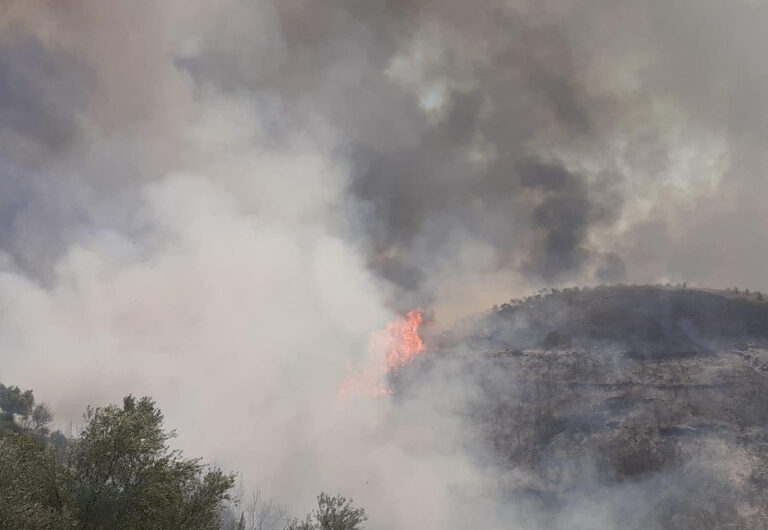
<point>390,350</point>
<point>404,340</point>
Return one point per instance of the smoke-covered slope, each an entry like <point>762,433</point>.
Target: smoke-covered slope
<point>623,407</point>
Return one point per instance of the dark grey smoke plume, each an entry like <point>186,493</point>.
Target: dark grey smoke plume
<point>642,111</point>
<point>645,112</point>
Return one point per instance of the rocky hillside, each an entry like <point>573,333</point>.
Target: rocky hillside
<point>648,403</point>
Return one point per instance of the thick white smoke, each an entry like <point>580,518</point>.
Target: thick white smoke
<point>218,280</point>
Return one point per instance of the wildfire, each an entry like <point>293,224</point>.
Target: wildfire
<point>404,339</point>
<point>390,349</point>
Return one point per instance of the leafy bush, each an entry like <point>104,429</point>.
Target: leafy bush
<point>332,513</point>
<point>118,474</point>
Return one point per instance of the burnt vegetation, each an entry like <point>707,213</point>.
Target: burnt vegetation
<point>663,389</point>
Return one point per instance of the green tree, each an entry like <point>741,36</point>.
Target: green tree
<point>13,400</point>
<point>33,485</point>
<point>15,404</point>
<point>118,474</point>
<point>332,513</point>
<point>125,476</point>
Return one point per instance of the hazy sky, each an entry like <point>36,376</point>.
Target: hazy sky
<point>218,202</point>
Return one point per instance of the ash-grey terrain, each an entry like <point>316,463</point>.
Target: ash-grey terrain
<point>619,407</point>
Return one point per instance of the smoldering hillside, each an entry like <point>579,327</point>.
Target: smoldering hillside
<point>620,407</point>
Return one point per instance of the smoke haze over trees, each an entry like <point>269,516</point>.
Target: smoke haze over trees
<point>217,204</point>
<point>117,473</point>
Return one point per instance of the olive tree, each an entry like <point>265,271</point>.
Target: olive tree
<point>124,475</point>
<point>33,485</point>
<point>332,513</point>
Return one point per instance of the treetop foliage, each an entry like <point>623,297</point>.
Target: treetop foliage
<point>18,411</point>
<point>119,473</point>
<point>332,513</point>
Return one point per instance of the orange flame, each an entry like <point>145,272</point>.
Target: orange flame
<point>405,342</point>
<point>391,349</point>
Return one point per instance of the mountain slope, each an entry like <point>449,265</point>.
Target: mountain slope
<point>648,402</point>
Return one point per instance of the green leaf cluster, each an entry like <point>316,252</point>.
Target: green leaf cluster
<point>119,473</point>
<point>332,513</point>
